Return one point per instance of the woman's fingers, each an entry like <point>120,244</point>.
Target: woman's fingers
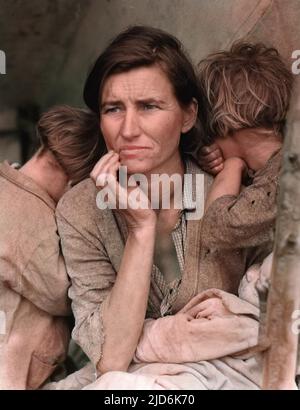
<point>197,308</point>
<point>211,159</point>
<point>198,312</point>
<point>207,149</point>
<point>215,170</point>
<point>194,311</point>
<point>207,158</point>
<point>111,162</point>
<point>103,172</point>
<point>207,307</point>
<point>215,162</point>
<point>102,164</point>
<point>108,176</point>
<point>113,168</point>
<point>204,313</point>
<point>130,200</point>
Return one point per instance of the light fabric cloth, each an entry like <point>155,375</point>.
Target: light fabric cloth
<point>200,354</point>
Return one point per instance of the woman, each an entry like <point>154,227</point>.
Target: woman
<point>33,278</point>
<point>146,94</point>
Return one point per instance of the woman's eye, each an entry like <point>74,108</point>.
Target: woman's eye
<point>109,110</point>
<point>148,107</point>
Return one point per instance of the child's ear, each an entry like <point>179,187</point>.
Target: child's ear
<point>190,116</point>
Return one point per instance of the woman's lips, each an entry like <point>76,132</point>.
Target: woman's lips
<point>132,150</point>
<point>132,147</point>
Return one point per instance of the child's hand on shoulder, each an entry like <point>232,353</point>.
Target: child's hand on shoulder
<point>211,159</point>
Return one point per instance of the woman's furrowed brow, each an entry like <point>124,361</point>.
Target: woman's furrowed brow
<point>110,102</point>
<point>151,100</point>
<point>148,100</point>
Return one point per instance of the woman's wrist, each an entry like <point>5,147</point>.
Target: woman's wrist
<point>145,230</point>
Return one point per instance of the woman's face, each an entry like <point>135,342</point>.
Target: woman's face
<point>142,120</point>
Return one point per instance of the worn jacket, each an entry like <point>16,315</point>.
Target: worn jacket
<point>234,233</point>
<point>34,333</point>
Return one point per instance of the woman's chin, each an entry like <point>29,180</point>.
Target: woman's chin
<point>137,167</point>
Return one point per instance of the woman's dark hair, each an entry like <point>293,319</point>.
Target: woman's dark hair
<point>141,46</point>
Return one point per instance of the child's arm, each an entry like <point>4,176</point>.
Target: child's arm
<point>228,181</point>
<point>247,218</point>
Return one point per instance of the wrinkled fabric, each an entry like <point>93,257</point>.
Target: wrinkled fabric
<point>163,341</point>
<point>75,381</point>
<point>179,338</point>
<point>195,354</point>
<point>213,375</point>
<point>93,244</point>
<point>183,348</point>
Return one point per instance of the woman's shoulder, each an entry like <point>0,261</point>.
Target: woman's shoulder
<point>78,206</point>
<point>82,195</point>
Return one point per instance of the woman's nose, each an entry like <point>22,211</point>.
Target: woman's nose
<point>130,125</point>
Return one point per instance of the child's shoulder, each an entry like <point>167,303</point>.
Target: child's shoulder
<point>272,166</point>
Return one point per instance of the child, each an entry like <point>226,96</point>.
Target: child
<point>33,278</point>
<point>247,90</point>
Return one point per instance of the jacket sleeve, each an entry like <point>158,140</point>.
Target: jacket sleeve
<point>92,277</point>
<point>44,280</point>
<point>242,221</point>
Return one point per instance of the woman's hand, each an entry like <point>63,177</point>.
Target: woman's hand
<point>209,308</point>
<point>125,306</point>
<point>211,159</point>
<point>136,208</point>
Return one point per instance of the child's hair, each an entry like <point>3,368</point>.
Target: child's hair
<point>72,135</point>
<point>248,86</point>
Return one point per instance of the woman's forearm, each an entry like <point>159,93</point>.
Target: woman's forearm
<point>125,308</point>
